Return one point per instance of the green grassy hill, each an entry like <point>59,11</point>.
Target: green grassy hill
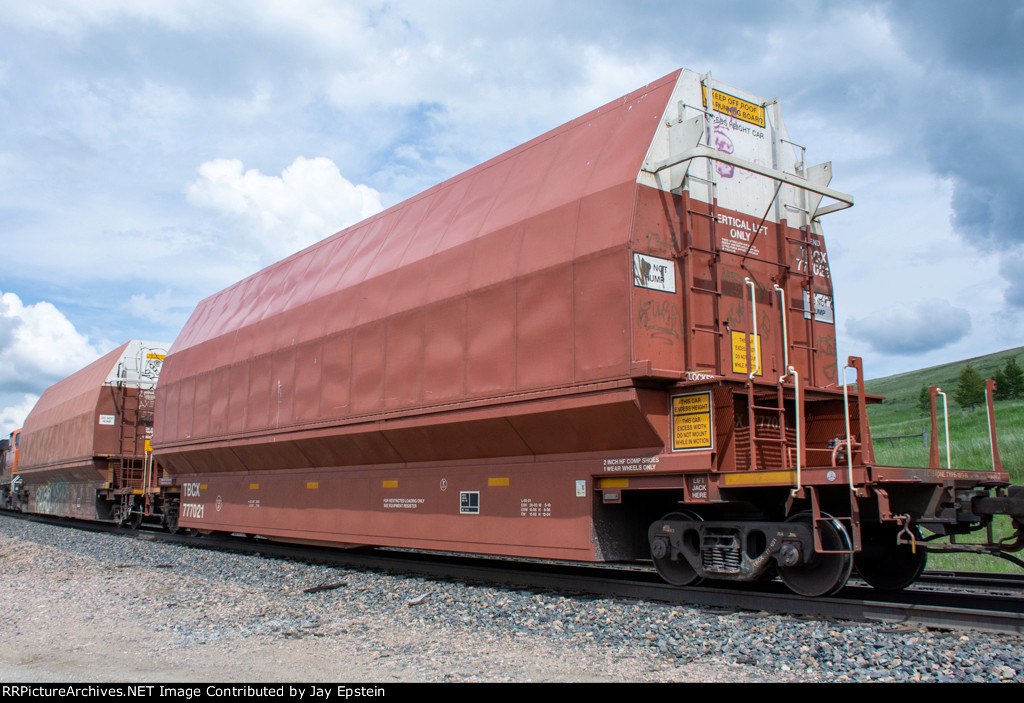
<point>968,433</point>
<point>968,430</point>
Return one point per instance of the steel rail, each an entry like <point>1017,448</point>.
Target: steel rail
<point>920,607</point>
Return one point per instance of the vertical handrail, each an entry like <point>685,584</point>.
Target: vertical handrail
<point>785,333</point>
<point>990,391</point>
<point>846,417</point>
<point>751,415</point>
<point>753,311</point>
<point>867,450</point>
<point>799,426</point>
<point>945,413</point>
<point>933,447</point>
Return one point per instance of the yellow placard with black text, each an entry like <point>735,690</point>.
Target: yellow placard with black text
<point>691,422</point>
<point>737,107</point>
<point>740,342</point>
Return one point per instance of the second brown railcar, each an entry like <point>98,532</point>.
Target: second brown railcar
<point>85,447</point>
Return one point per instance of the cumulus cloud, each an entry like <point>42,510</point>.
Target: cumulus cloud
<point>970,129</point>
<point>116,102</point>
<point>931,325</point>
<point>282,214</point>
<point>13,416</point>
<point>38,346</point>
<point>149,307</point>
<point>1011,267</point>
<point>72,19</point>
<point>162,308</point>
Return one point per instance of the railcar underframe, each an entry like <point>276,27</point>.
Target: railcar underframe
<point>693,512</point>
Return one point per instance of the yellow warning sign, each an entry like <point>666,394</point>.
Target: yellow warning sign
<point>691,422</point>
<point>152,355</point>
<point>735,107</point>
<point>739,353</point>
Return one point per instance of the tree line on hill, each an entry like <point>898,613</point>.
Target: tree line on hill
<point>970,386</point>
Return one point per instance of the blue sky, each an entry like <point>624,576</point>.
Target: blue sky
<point>152,153</point>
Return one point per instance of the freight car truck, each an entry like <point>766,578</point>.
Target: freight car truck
<point>614,342</point>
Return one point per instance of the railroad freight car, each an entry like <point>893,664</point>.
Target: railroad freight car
<point>614,342</point>
<point>85,447</point>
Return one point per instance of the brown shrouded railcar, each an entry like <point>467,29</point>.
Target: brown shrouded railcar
<point>612,342</point>
<point>84,449</point>
<point>10,481</point>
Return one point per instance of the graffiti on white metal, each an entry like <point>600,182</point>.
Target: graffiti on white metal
<point>654,273</point>
<point>822,308</point>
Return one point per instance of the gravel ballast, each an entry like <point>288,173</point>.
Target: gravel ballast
<point>81,606</point>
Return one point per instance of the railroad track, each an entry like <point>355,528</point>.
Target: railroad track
<point>941,599</point>
<point>995,582</point>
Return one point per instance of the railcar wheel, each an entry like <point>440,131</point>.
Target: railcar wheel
<point>677,572</point>
<point>886,565</point>
<point>824,573</point>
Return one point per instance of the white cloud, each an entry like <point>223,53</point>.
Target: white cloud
<point>13,416</point>
<point>309,201</point>
<point>114,103</point>
<point>38,345</point>
<point>854,37</point>
<point>151,307</point>
<point>1011,267</point>
<point>68,18</point>
<point>931,325</point>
